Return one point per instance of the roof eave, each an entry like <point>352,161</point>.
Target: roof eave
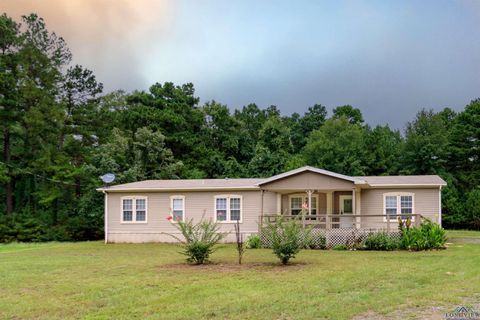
<point>247,188</point>
<point>311,169</point>
<point>403,185</point>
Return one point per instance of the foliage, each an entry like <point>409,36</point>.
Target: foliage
<point>60,132</point>
<point>316,240</point>
<point>337,146</point>
<point>254,242</point>
<point>340,247</point>
<point>199,239</point>
<point>426,237</point>
<point>380,241</point>
<point>287,238</point>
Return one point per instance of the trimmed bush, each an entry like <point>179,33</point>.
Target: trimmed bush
<point>199,239</point>
<point>254,242</point>
<point>287,238</point>
<point>380,241</point>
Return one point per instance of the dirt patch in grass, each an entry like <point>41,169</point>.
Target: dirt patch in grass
<point>465,240</point>
<point>432,312</point>
<point>229,267</point>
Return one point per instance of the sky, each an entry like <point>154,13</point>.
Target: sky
<point>388,58</point>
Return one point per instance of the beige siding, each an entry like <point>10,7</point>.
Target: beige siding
<point>426,203</point>
<point>197,204</point>
<point>308,180</point>
<point>269,203</point>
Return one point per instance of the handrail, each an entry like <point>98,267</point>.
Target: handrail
<point>328,221</point>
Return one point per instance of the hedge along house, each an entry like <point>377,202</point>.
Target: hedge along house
<point>138,212</point>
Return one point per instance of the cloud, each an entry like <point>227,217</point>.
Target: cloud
<point>108,36</point>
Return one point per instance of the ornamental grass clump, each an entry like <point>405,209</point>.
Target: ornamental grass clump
<point>287,238</point>
<point>199,239</point>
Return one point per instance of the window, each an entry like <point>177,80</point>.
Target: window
<point>228,208</point>
<point>177,205</point>
<point>127,210</point>
<point>391,207</point>
<point>398,204</point>
<point>134,209</point>
<point>297,201</point>
<point>406,205</point>
<point>296,205</point>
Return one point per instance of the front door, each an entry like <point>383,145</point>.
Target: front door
<point>346,209</point>
<point>346,205</point>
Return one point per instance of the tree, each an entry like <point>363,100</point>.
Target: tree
<point>383,147</point>
<point>338,146</point>
<point>426,144</point>
<point>301,127</point>
<point>464,155</point>
<point>10,112</point>
<point>273,149</point>
<point>173,111</point>
<point>32,59</point>
<point>353,115</point>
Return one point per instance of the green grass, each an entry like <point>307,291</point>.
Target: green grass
<point>91,280</point>
<point>463,234</point>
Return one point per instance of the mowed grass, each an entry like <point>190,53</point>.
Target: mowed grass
<point>91,280</point>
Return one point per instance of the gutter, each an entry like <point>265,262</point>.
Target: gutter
<point>110,189</point>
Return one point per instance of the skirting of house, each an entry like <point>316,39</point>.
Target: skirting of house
<point>156,237</point>
<point>338,236</point>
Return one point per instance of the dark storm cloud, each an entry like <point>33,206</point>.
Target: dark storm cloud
<point>388,58</point>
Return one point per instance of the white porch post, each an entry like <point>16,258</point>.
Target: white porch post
<point>354,207</point>
<point>354,204</point>
<point>359,208</point>
<point>309,193</point>
<point>329,209</point>
<point>279,203</point>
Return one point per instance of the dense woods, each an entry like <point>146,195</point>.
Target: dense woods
<point>60,132</point>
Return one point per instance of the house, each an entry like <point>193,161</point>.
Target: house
<point>138,212</point>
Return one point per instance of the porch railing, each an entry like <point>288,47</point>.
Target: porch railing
<point>357,221</point>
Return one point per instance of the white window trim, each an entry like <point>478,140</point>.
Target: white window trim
<point>174,197</point>
<point>134,209</point>
<point>304,198</point>
<point>340,202</point>
<point>399,205</point>
<point>227,196</point>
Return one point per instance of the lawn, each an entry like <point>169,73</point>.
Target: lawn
<point>91,280</point>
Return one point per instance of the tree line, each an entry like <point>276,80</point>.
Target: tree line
<point>60,132</point>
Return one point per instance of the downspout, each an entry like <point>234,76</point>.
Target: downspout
<point>440,206</point>
<point>105,216</point>
<point>261,208</point>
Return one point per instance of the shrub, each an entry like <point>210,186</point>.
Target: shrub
<point>316,241</point>
<point>426,237</point>
<point>380,241</point>
<point>340,247</point>
<point>199,239</point>
<point>287,238</point>
<point>254,242</point>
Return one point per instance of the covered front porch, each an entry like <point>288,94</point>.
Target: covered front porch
<point>324,200</point>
